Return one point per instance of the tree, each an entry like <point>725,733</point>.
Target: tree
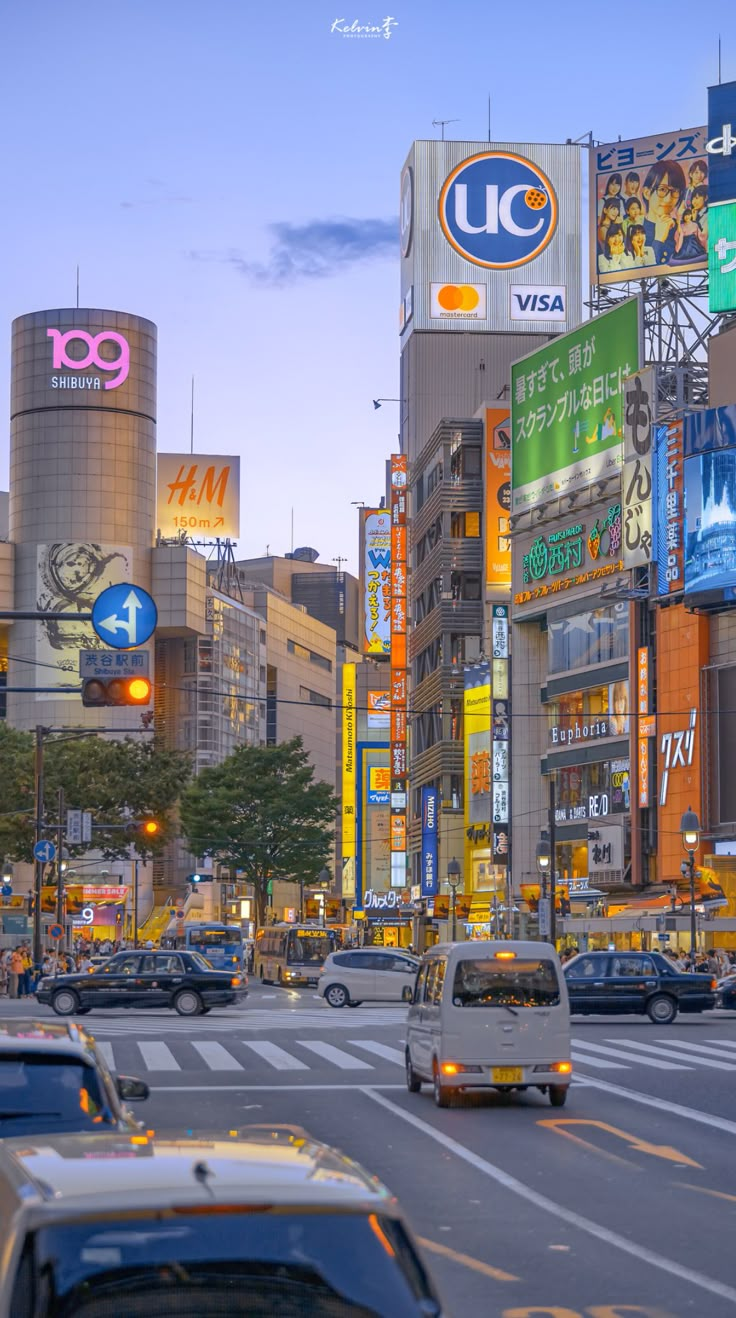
<point>117,781</point>
<point>262,812</point>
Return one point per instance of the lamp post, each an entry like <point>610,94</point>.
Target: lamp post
<point>544,861</point>
<point>325,879</point>
<point>690,829</point>
<point>453,878</point>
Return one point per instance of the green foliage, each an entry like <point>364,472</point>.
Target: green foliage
<point>115,780</point>
<point>262,812</point>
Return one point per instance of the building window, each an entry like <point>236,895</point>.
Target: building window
<point>262,636</point>
<point>595,637</point>
<point>465,526</point>
<point>302,652</point>
<point>314,697</point>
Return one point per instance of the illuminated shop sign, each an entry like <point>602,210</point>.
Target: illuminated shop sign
<point>118,367</point>
<point>594,791</point>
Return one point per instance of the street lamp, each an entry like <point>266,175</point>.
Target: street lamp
<point>544,865</point>
<point>453,878</point>
<point>690,829</point>
<point>325,879</point>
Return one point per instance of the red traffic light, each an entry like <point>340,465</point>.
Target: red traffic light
<point>100,691</point>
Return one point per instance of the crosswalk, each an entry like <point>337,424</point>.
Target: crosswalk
<point>232,1023</point>
<point>249,1057</point>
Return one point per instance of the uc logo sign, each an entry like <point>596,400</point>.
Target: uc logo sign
<point>498,210</point>
<point>121,364</point>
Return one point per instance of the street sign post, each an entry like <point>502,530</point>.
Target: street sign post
<point>56,931</point>
<point>74,827</point>
<point>6,890</point>
<point>544,917</point>
<point>114,663</point>
<point>124,616</point>
<point>45,852</point>
<point>86,825</point>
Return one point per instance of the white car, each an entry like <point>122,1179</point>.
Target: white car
<point>367,974</point>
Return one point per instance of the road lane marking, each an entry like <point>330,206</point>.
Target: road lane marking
<point>724,1043</point>
<point>599,1062</point>
<point>703,1054</point>
<point>557,1210</point>
<point>616,1052</point>
<point>634,1141</point>
<point>379,1050</point>
<point>158,1057</point>
<point>217,1057</point>
<point>105,1049</point>
<point>465,1260</point>
<point>703,1189</point>
<point>661,1104</point>
<point>266,1089</point>
<point>336,1055</point>
<point>276,1057</point>
<point>673,1052</point>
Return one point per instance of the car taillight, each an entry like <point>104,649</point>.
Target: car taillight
<point>714,985</point>
<point>235,981</point>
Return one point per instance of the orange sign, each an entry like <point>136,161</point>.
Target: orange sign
<point>480,773</point>
<point>643,759</point>
<point>197,493</point>
<point>682,651</point>
<point>642,680</point>
<point>648,726</point>
<point>497,461</point>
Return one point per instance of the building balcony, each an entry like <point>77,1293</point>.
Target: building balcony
<point>448,618</point>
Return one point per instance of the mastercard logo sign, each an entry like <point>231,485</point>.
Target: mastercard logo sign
<point>458,301</point>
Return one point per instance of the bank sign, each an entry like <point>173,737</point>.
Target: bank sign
<point>488,237</point>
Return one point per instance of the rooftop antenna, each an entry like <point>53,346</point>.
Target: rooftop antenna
<point>339,560</point>
<point>489,118</point>
<point>719,79</point>
<point>440,123</point>
<point>292,528</point>
<point>191,422</point>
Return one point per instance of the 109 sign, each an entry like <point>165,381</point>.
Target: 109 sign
<point>498,210</point>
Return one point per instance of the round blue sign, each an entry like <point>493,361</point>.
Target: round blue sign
<point>498,210</point>
<point>124,616</point>
<point>6,890</point>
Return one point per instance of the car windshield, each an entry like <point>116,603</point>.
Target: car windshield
<point>523,982</point>
<point>310,948</point>
<point>50,1094</point>
<point>212,938</point>
<point>198,962</point>
<point>192,1264</point>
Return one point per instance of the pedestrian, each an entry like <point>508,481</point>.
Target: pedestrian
<point>16,970</point>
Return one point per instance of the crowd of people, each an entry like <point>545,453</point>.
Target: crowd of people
<point>18,978</point>
<point>655,218</point>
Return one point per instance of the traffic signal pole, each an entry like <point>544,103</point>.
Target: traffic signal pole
<point>59,867</point>
<point>38,865</point>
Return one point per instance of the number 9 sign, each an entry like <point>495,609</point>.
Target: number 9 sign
<point>88,914</point>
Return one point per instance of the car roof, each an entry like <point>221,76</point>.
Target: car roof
<point>43,1036</point>
<point>114,1172</point>
<point>480,949</point>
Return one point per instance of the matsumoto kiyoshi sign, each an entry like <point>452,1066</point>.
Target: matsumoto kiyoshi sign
<point>567,407</point>
<point>498,210</point>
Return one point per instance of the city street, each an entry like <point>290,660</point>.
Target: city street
<point>607,1208</point>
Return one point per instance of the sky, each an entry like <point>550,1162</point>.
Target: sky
<point>231,171</point>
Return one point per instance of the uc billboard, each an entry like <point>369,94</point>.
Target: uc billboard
<point>490,237</point>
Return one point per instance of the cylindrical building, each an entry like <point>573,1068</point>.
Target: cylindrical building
<point>82,492</point>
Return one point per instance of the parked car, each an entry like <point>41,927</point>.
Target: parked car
<point>270,1222</point>
<point>367,974</point>
<point>54,1079</point>
<point>489,1015</point>
<point>182,980</point>
<point>639,983</point>
<point>726,993</point>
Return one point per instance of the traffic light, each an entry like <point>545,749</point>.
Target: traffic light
<point>199,877</point>
<point>150,827</point>
<point>99,691</point>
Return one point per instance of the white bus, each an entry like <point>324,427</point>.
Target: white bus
<point>292,953</point>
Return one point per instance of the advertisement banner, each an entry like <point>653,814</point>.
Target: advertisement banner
<point>721,146</point>
<point>669,492</point>
<point>477,737</point>
<point>348,761</point>
<point>398,689</point>
<point>379,709</point>
<point>710,501</point>
<point>640,398</point>
<point>569,557</point>
<point>606,854</point>
<point>376,581</point>
<point>722,257</point>
<point>567,407</point>
<point>649,206</point>
<point>430,806</point>
<point>198,493</point>
<point>69,577</point>
<point>497,462</point>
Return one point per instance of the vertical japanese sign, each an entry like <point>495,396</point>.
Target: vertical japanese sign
<point>669,466</point>
<point>642,709</point>
<point>500,732</point>
<point>399,759</point>
<point>348,776</point>
<point>376,580</point>
<point>497,449</point>
<point>478,782</point>
<point>430,801</point>
<point>639,408</point>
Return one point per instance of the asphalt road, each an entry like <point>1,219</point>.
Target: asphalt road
<point>619,1206</point>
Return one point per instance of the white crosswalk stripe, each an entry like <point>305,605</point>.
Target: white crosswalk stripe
<point>605,1051</point>
<point>217,1057</point>
<point>275,1056</point>
<point>106,1050</point>
<point>723,1043</point>
<point>158,1057</point>
<point>345,1061</point>
<point>378,1050</point>
<point>598,1063</point>
<point>677,1048</point>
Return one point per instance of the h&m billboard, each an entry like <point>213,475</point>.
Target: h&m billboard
<point>489,237</point>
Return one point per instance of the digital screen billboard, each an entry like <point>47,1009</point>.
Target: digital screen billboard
<point>649,206</point>
<point>567,407</point>
<point>721,145</point>
<point>375,580</point>
<point>497,449</point>
<point>722,257</point>
<point>710,502</point>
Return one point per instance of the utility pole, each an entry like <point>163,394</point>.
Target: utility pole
<point>59,866</point>
<point>38,837</point>
<point>135,901</point>
<point>552,864</point>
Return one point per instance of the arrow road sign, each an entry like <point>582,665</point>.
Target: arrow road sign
<point>45,852</point>
<point>124,616</point>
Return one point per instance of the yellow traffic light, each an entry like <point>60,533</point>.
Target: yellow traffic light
<point>98,691</point>
<point>150,827</point>
<point>139,690</point>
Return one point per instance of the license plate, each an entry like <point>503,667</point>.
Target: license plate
<point>507,1075</point>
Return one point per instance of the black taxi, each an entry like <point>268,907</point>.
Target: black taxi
<point>184,981</point>
<point>637,983</point>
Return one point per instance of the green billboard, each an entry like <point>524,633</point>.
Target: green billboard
<point>722,256</point>
<point>567,407</point>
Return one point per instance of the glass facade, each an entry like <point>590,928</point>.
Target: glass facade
<point>596,636</point>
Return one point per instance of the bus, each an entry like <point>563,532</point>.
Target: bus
<point>292,953</point>
<point>221,944</point>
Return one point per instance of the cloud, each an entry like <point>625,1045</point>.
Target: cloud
<point>314,250</point>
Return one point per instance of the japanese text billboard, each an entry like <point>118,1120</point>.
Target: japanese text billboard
<point>398,687</point>
<point>430,807</point>
<point>348,762</point>
<point>640,400</point>
<point>649,206</point>
<point>567,407</point>
<point>669,496</point>
<point>709,439</point>
<point>376,581</point>
<point>197,493</point>
<point>497,449</point>
<point>722,257</point>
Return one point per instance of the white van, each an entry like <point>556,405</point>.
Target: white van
<point>489,1015</point>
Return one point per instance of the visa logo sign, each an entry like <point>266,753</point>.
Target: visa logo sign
<point>538,302</point>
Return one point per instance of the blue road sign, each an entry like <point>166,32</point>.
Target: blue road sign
<point>124,616</point>
<point>56,931</point>
<point>6,890</point>
<point>45,852</point>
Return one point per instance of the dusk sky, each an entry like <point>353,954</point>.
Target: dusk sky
<point>231,171</point>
